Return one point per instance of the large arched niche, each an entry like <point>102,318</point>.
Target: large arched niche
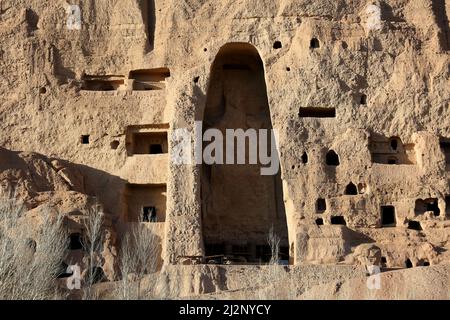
<point>239,206</point>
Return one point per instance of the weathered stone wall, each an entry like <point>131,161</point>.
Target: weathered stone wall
<point>382,65</point>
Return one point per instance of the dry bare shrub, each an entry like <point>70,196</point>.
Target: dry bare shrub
<point>139,257</point>
<point>92,245</point>
<point>29,268</point>
<point>274,243</point>
<point>274,282</point>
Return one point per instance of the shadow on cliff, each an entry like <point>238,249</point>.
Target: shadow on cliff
<point>34,173</point>
<point>108,189</point>
<point>149,17</point>
<point>440,14</point>
<point>388,13</point>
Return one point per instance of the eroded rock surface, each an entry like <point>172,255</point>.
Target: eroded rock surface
<point>357,91</point>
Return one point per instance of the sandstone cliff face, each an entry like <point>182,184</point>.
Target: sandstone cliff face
<point>366,79</point>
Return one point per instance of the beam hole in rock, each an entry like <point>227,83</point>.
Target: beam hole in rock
<point>314,43</point>
<point>332,159</point>
<point>239,206</point>
<point>339,220</point>
<point>114,144</point>
<point>319,221</point>
<point>321,205</point>
<point>313,112</point>
<point>277,45</point>
<point>304,158</point>
<point>84,139</point>
<point>408,263</point>
<point>388,216</point>
<point>351,189</point>
<point>414,225</point>
<point>363,100</point>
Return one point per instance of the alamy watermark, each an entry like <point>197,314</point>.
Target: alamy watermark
<point>374,279</point>
<point>74,281</point>
<point>73,17</point>
<point>373,13</point>
<point>231,148</point>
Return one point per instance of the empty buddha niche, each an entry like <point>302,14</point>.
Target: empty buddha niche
<point>239,205</point>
